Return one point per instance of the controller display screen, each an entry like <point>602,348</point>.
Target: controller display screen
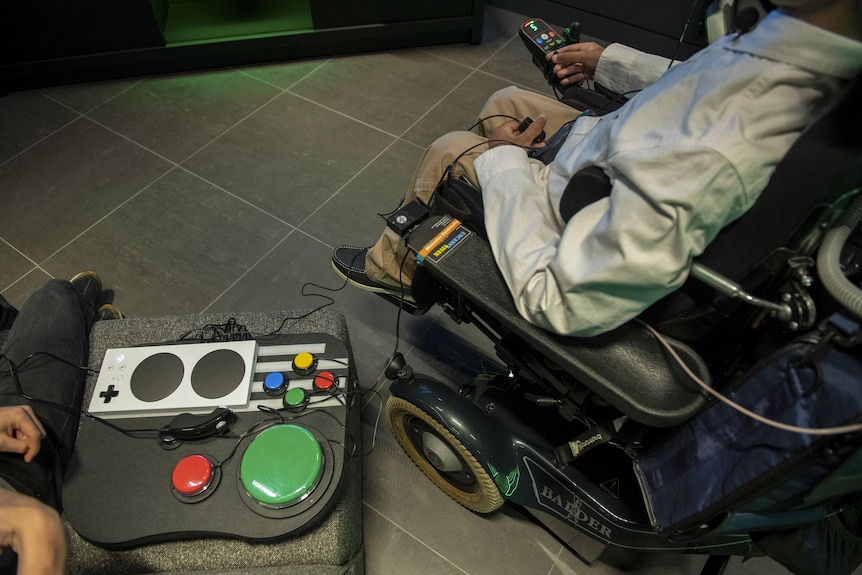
<point>542,35</point>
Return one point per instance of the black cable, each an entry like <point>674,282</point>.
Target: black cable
<point>282,413</point>
<point>679,43</point>
<point>401,301</point>
<point>230,327</point>
<point>242,436</point>
<point>376,421</point>
<point>16,382</point>
<point>83,368</point>
<point>617,98</point>
<point>558,91</point>
<point>312,312</point>
<point>447,173</point>
<point>486,118</point>
<point>233,331</point>
<point>317,309</point>
<point>398,207</point>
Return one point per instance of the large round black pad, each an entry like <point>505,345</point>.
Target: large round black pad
<point>218,373</point>
<point>157,377</point>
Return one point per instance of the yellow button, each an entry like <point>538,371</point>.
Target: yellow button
<point>303,361</point>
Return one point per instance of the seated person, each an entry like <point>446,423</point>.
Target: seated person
<point>37,437</point>
<point>685,156</point>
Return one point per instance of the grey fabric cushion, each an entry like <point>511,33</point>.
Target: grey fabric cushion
<point>332,547</point>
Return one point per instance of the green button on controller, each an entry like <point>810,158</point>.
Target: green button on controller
<point>281,466</point>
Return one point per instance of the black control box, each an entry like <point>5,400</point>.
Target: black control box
<point>407,217</point>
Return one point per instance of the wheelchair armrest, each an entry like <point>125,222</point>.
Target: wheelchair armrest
<point>628,367</point>
<point>599,101</point>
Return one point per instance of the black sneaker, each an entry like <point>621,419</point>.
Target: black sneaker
<point>109,311</point>
<point>349,263</point>
<point>89,284</point>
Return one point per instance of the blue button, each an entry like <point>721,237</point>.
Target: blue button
<point>274,382</point>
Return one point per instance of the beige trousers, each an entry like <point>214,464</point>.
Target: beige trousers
<point>388,261</point>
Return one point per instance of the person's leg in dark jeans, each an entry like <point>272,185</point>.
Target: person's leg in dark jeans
<point>55,319</point>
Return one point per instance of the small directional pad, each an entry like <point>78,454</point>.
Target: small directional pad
<point>109,393</point>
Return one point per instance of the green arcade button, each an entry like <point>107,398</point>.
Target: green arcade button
<point>281,466</point>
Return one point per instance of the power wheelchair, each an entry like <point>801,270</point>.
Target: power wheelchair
<point>577,431</point>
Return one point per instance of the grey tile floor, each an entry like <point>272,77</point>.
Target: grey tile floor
<point>227,190</point>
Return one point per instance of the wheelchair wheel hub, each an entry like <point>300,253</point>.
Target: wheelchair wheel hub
<point>439,454</point>
<point>442,457</point>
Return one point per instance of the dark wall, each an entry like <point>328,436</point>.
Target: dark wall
<point>62,28</point>
<point>338,13</point>
<point>652,26</point>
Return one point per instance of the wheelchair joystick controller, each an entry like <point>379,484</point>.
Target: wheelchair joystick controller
<point>540,39</point>
<point>397,369</point>
<point>572,34</point>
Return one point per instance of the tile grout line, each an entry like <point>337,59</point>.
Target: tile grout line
<point>236,197</point>
<point>247,271</point>
<point>41,140</point>
<point>282,91</point>
<point>99,105</point>
<point>394,524</point>
<point>111,212</point>
<point>400,137</point>
<point>244,72</point>
<point>80,115</point>
<point>35,265</point>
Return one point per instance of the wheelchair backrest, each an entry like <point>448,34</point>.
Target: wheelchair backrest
<point>823,165</point>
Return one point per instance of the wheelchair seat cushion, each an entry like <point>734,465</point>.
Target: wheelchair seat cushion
<point>628,367</point>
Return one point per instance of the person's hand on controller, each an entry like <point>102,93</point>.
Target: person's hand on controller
<point>510,133</point>
<point>34,531</point>
<point>20,431</point>
<point>575,62</point>
<point>27,526</point>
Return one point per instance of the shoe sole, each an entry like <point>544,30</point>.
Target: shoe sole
<point>377,290</point>
<point>112,309</point>
<point>88,273</point>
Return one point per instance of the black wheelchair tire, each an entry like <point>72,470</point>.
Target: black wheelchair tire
<point>472,487</point>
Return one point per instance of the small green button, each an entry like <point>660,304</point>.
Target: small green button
<point>281,466</point>
<point>294,397</point>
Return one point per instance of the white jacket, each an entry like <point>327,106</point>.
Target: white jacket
<point>686,156</point>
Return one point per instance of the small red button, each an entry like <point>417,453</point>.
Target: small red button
<point>192,475</point>
<point>325,380</point>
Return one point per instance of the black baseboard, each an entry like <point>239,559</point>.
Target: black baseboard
<point>648,31</point>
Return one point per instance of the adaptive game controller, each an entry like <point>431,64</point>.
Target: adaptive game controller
<point>174,378</point>
<point>254,430</point>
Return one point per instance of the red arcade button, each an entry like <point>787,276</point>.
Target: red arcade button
<point>325,380</point>
<point>192,475</point>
